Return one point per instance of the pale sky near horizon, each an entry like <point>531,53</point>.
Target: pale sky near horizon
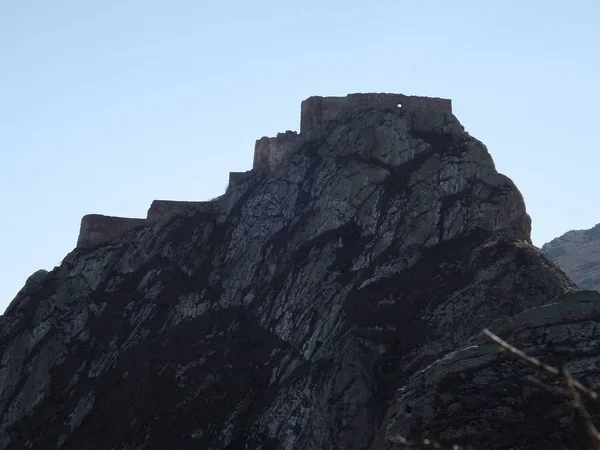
<point>105,106</point>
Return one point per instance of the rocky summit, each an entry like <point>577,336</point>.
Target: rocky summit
<point>578,253</point>
<point>332,298</point>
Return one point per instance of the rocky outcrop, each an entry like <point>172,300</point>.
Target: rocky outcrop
<point>478,396</point>
<point>578,253</point>
<point>290,319</point>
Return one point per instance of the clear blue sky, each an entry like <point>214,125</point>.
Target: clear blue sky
<point>107,105</point>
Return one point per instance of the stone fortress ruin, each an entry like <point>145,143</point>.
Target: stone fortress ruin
<point>423,114</point>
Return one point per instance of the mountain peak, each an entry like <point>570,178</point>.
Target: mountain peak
<point>288,312</point>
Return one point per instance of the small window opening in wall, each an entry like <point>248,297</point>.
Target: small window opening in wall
<point>399,105</point>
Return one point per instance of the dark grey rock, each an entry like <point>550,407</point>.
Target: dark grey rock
<point>36,277</point>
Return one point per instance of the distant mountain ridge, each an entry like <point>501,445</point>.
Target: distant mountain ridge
<point>578,254</point>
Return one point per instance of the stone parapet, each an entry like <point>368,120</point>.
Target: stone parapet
<point>236,178</point>
<point>97,229</point>
<point>270,151</point>
<point>315,111</point>
<point>160,208</point>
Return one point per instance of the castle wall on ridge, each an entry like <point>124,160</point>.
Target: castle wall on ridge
<point>97,229</point>
<point>428,114</point>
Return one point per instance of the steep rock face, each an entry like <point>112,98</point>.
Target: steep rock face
<point>289,319</point>
<point>578,253</point>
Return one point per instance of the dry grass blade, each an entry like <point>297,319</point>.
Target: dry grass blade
<point>551,389</point>
<point>580,407</point>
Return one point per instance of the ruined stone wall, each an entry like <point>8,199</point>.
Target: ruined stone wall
<point>97,229</point>
<point>236,178</point>
<point>270,151</point>
<point>160,208</point>
<point>426,114</point>
<point>318,110</point>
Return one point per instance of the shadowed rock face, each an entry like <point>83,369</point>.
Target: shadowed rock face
<point>478,396</point>
<point>578,253</point>
<point>292,319</point>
